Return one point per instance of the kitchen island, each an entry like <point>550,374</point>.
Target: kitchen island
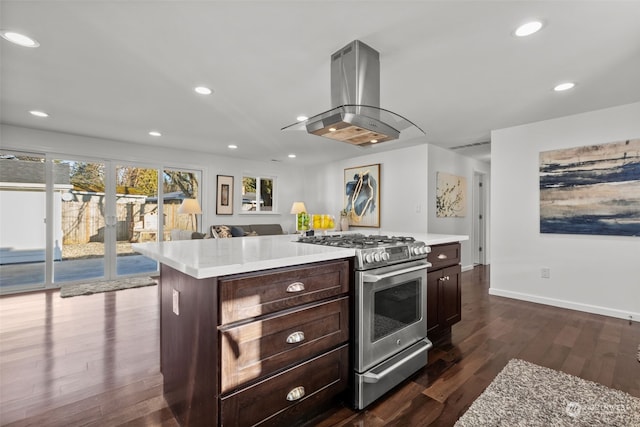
<point>254,330</point>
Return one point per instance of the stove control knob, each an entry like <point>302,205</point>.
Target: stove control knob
<point>422,250</point>
<point>368,258</point>
<point>377,257</point>
<point>416,250</point>
<point>385,256</point>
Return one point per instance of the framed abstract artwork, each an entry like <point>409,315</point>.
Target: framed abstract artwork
<point>224,198</point>
<point>362,195</point>
<point>451,195</point>
<point>594,189</point>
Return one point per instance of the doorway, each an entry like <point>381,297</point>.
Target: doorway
<point>479,218</point>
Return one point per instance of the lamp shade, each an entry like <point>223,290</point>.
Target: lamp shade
<point>298,207</point>
<point>190,206</point>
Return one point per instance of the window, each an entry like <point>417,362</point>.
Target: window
<point>258,194</point>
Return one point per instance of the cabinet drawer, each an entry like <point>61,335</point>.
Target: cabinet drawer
<point>444,255</point>
<point>274,401</point>
<point>252,295</point>
<point>259,348</point>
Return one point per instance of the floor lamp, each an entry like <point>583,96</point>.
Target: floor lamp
<point>192,208</point>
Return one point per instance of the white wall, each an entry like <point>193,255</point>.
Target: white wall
<point>443,160</point>
<point>597,274</point>
<point>289,182</point>
<point>403,188</point>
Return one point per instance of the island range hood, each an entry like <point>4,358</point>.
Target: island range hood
<point>356,116</point>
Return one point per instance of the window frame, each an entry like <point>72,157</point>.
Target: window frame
<point>274,198</point>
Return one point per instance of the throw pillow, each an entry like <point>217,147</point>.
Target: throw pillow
<point>222,231</point>
<point>237,231</point>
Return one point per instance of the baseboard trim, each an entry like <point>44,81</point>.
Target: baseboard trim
<point>588,308</point>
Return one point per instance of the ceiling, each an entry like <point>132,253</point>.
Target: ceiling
<point>118,69</point>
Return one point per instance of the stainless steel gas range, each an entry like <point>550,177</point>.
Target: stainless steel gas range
<point>389,310</point>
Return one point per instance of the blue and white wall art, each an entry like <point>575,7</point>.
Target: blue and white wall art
<point>591,190</point>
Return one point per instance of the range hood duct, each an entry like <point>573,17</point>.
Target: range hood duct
<point>356,116</point>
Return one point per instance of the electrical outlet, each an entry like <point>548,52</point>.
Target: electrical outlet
<point>545,272</point>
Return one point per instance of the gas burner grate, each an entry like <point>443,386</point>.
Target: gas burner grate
<point>357,241</point>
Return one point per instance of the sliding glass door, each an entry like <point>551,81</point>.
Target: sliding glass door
<point>138,217</point>
<point>80,219</point>
<point>179,185</point>
<point>23,237</point>
<point>68,220</point>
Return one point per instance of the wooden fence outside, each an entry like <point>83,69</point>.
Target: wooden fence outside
<point>84,221</point>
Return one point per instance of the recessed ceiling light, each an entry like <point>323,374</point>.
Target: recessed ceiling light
<point>155,133</point>
<point>528,28</point>
<point>302,118</point>
<point>232,146</point>
<point>38,113</point>
<point>332,129</point>
<point>564,86</point>
<point>292,156</point>
<point>373,141</point>
<point>202,90</point>
<point>19,39</point>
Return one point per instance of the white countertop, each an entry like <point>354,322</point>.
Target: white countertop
<point>203,258</point>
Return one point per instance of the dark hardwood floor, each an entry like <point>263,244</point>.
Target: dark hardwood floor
<point>93,360</point>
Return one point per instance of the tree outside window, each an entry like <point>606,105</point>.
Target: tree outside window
<point>258,194</point>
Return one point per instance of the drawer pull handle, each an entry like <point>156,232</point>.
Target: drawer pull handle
<point>295,337</point>
<point>295,394</point>
<point>443,278</point>
<point>295,287</point>
<point>442,256</point>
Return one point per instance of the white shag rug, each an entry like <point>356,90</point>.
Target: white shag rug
<point>525,394</point>
<point>77,289</point>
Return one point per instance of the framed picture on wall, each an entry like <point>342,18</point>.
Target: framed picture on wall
<point>362,195</point>
<point>451,195</point>
<point>224,198</point>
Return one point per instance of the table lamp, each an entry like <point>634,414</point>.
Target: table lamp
<point>302,218</point>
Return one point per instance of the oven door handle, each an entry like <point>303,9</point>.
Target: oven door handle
<point>371,377</point>
<point>373,278</point>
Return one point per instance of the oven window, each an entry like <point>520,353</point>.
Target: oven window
<point>394,308</point>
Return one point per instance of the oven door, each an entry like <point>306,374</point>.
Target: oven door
<point>391,307</point>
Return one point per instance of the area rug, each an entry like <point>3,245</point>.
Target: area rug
<point>73,290</point>
<point>524,394</point>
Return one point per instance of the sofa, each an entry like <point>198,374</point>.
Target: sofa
<point>177,234</point>
<point>226,231</point>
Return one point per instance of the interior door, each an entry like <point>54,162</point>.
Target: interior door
<point>479,220</point>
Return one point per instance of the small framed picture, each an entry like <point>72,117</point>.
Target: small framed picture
<point>224,199</point>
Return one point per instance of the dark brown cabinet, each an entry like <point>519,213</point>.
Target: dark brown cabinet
<point>265,348</point>
<point>444,307</point>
